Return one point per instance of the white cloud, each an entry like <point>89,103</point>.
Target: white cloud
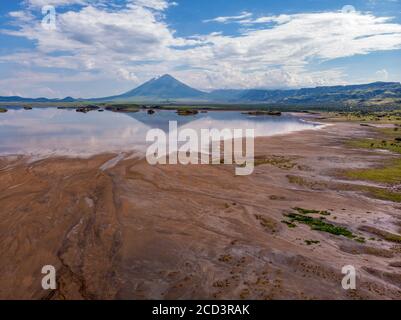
<point>228,19</point>
<point>292,44</point>
<point>247,18</point>
<point>133,42</point>
<point>153,4</point>
<point>57,3</point>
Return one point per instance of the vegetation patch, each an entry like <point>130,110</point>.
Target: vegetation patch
<point>385,138</point>
<point>267,223</point>
<point>384,194</point>
<point>122,108</point>
<point>388,174</point>
<point>314,185</point>
<point>392,144</point>
<point>276,161</point>
<point>302,167</point>
<point>311,242</point>
<point>320,224</point>
<point>391,132</point>
<point>391,237</point>
<point>3,110</point>
<point>263,113</point>
<point>289,224</point>
<point>187,112</point>
<point>225,258</point>
<point>366,116</point>
<point>360,240</point>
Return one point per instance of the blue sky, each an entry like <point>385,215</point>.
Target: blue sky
<point>100,48</point>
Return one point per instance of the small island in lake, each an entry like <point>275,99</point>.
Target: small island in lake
<point>263,113</point>
<point>187,112</point>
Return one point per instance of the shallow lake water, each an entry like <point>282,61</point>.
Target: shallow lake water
<point>52,131</point>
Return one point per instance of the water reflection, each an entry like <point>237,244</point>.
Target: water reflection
<point>50,131</point>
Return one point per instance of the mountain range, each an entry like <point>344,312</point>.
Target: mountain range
<point>167,89</point>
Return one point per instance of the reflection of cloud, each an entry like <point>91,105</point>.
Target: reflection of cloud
<point>51,131</point>
<point>262,129</point>
<point>268,127</point>
<point>59,132</point>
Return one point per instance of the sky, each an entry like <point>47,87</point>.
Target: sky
<point>95,48</point>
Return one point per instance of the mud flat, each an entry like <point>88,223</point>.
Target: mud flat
<point>135,231</point>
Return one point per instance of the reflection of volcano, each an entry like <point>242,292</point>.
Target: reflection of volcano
<point>161,119</point>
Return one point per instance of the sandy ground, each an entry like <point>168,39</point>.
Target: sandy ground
<point>135,231</point>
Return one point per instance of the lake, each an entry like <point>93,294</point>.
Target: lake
<point>52,131</point>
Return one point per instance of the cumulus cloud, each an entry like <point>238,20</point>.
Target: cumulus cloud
<point>132,42</point>
<point>325,35</point>
<point>292,43</point>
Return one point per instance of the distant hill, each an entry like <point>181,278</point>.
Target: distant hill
<point>226,95</point>
<point>168,89</point>
<point>27,100</point>
<point>365,93</point>
<point>20,99</point>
